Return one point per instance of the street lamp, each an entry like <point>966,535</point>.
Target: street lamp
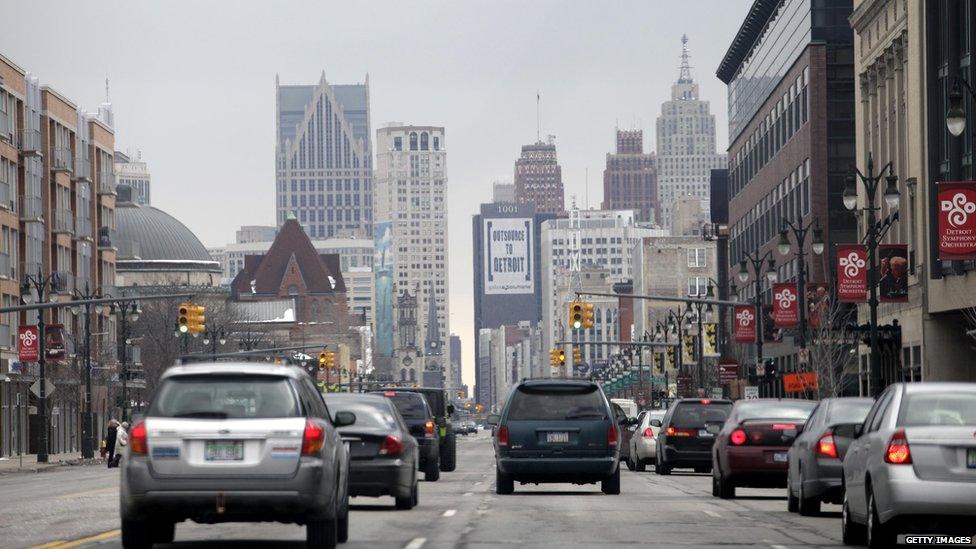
<point>212,336</point>
<point>127,310</point>
<point>87,424</point>
<point>40,284</point>
<point>757,261</point>
<point>956,114</point>
<point>799,231</point>
<point>875,233</point>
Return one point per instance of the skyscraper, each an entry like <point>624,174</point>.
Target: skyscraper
<point>324,158</point>
<point>685,143</point>
<point>630,178</point>
<point>539,179</point>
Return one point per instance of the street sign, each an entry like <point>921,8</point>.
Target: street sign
<point>717,392</point>
<point>27,343</point>
<point>728,372</point>
<point>798,383</point>
<point>48,388</point>
<point>803,356</point>
<point>751,392</point>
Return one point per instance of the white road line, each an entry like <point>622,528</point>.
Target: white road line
<point>778,546</point>
<point>711,513</point>
<point>467,493</point>
<point>415,543</point>
<point>478,483</point>
<point>449,513</point>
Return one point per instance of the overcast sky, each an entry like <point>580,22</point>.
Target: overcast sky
<point>192,87</point>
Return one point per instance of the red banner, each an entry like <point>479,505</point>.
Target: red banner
<point>818,303</point>
<point>786,305</point>
<point>728,372</point>
<point>893,272</point>
<point>745,324</point>
<point>957,220</point>
<point>852,273</point>
<point>798,383</point>
<point>27,343</point>
<point>54,342</point>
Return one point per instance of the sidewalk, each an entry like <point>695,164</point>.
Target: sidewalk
<point>30,465</point>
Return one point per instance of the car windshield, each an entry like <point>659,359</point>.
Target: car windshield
<point>697,415</point>
<point>775,409</point>
<point>555,402</point>
<point>410,405</point>
<point>371,415</point>
<point>846,411</point>
<point>225,397</point>
<point>943,408</point>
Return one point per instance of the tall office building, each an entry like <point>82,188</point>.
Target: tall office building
<point>134,173</point>
<point>539,178</point>
<point>323,171</point>
<point>685,143</point>
<point>411,208</point>
<point>630,178</point>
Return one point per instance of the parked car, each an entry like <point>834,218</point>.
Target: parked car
<point>422,425</point>
<point>685,438</point>
<point>912,465</point>
<point>236,443</point>
<point>557,430</point>
<point>627,426</point>
<point>815,471</point>
<point>643,444</point>
<point>752,448</point>
<point>383,454</point>
<point>443,410</point>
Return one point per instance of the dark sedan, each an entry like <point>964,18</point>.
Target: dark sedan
<point>815,461</point>
<point>382,455</point>
<point>686,434</point>
<point>422,425</point>
<point>751,449</point>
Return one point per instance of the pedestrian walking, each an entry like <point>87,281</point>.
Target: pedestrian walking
<point>111,435</point>
<point>121,441</point>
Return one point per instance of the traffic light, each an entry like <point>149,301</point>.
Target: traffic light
<point>328,360</point>
<point>184,318</point>
<point>554,357</point>
<point>576,315</point>
<point>196,322</point>
<point>460,394</point>
<point>323,357</point>
<point>587,316</point>
<point>562,357</point>
<point>577,355</point>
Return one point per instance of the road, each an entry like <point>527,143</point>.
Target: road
<point>78,506</point>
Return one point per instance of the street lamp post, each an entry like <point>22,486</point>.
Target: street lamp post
<point>213,335</point>
<point>875,232</point>
<point>127,310</point>
<point>757,260</point>
<point>39,284</point>
<point>800,231</point>
<point>700,345</point>
<point>87,426</point>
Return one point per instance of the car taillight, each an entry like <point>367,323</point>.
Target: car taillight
<point>389,393</point>
<point>503,436</point>
<point>648,432</point>
<point>429,429</point>
<point>674,432</point>
<point>784,426</point>
<point>392,446</point>
<point>313,439</point>
<point>706,402</point>
<point>826,446</point>
<point>738,437</point>
<point>612,436</point>
<point>898,452</point>
<point>137,439</point>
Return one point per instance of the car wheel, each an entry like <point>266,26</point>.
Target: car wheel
<point>449,453</point>
<point>416,493</point>
<point>807,507</point>
<point>878,535</point>
<point>716,490</point>
<point>630,464</point>
<point>611,484</point>
<point>321,534</point>
<point>135,534</point>
<point>342,523</point>
<point>504,484</point>
<point>792,503</point>
<point>406,502</point>
<point>703,470</point>
<point>726,490</point>
<point>163,531</point>
<point>662,469</point>
<point>641,465</point>
<point>851,532</point>
<point>433,472</point>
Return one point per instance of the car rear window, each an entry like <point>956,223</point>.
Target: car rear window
<point>368,414</point>
<point>225,397</point>
<point>410,405</point>
<point>554,402</point>
<point>849,412</point>
<point>948,408</point>
<point>696,415</point>
<point>775,410</point>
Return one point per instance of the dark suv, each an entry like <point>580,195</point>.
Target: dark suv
<point>422,424</point>
<point>557,430</point>
<point>688,433</point>
<point>437,398</point>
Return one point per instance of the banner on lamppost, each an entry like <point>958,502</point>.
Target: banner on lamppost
<point>771,333</point>
<point>745,324</point>
<point>818,304</point>
<point>786,305</point>
<point>710,349</point>
<point>728,372</point>
<point>852,273</point>
<point>957,220</point>
<point>54,342</point>
<point>27,346</point>
<point>688,349</point>
<point>893,272</point>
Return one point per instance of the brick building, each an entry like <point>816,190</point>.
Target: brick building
<point>630,178</point>
<point>539,178</point>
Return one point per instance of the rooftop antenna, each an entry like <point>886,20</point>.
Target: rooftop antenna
<point>106,89</point>
<point>586,189</point>
<point>538,123</point>
<point>684,76</point>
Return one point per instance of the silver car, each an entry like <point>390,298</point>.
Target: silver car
<point>234,442</point>
<point>643,443</point>
<point>912,466</point>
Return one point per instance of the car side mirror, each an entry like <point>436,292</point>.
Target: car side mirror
<point>343,419</point>
<point>632,421</point>
<point>450,409</point>
<point>655,423</point>
<point>493,419</point>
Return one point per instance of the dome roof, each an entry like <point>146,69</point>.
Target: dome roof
<point>150,234</point>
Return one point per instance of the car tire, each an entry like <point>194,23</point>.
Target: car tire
<point>611,484</point>
<point>321,534</point>
<point>135,534</point>
<point>416,493</point>
<point>405,503</point>
<point>852,533</point>
<point>715,487</point>
<point>433,472</point>
<point>726,490</point>
<point>342,522</point>
<point>662,469</point>
<point>792,503</point>
<point>449,453</point>
<point>641,465</point>
<point>504,484</point>
<point>163,531</point>
<point>631,466</point>
<point>878,535</point>
<point>703,470</point>
<point>808,507</point>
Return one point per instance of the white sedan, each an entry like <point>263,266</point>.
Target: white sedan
<point>643,443</point>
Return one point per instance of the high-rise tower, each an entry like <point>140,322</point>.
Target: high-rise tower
<point>539,178</point>
<point>630,178</point>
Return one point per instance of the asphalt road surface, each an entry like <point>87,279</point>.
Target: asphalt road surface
<point>78,507</point>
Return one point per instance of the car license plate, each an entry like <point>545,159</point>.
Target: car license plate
<point>560,436</point>
<point>971,458</point>
<point>704,433</point>
<point>224,450</point>
<point>780,457</point>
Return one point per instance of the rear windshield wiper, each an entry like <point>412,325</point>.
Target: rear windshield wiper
<point>207,415</point>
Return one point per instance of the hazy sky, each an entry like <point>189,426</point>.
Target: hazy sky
<point>192,86</point>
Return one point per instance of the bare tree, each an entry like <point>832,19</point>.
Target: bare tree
<point>832,346</point>
<point>969,313</point>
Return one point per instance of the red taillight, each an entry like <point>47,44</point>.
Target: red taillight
<point>313,439</point>
<point>389,393</point>
<point>826,446</point>
<point>898,452</point>
<point>670,431</point>
<point>429,429</point>
<point>784,426</point>
<point>706,402</point>
<point>612,436</point>
<point>137,439</point>
<point>673,432</point>
<point>503,436</point>
<point>648,432</point>
<point>392,446</point>
<point>738,437</point>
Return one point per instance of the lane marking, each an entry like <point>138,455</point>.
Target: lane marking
<point>778,546</point>
<point>467,494</point>
<point>478,483</point>
<point>711,513</point>
<point>415,543</point>
<point>449,513</point>
<point>79,542</point>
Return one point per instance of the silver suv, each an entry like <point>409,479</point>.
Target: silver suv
<point>233,442</point>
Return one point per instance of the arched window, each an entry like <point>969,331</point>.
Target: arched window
<point>413,375</point>
<point>423,141</point>
<point>413,141</point>
<point>599,316</point>
<point>292,290</point>
<point>403,374</point>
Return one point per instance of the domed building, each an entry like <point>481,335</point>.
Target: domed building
<point>156,250</point>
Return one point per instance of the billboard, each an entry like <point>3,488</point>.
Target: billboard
<point>383,273</point>
<point>508,256</point>
<point>957,220</point>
